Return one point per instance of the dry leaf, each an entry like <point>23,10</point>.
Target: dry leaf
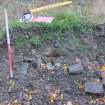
<point>101,100</point>
<point>65,67</point>
<point>54,96</point>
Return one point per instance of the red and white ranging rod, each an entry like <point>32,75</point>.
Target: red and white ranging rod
<point>10,51</point>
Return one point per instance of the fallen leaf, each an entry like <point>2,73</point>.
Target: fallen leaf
<point>101,100</point>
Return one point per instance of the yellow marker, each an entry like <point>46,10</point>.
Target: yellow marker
<point>65,67</point>
<point>102,67</point>
<point>50,6</point>
<point>30,95</point>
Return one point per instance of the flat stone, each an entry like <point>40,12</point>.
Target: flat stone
<point>94,87</point>
<point>76,68</point>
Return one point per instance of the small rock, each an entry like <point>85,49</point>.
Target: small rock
<point>33,52</point>
<point>34,65</point>
<point>94,87</point>
<point>100,28</point>
<point>100,73</point>
<point>69,103</point>
<point>100,59</point>
<point>48,51</point>
<point>103,81</point>
<point>50,66</point>
<point>56,44</point>
<point>57,65</point>
<point>76,68</point>
<point>82,2</point>
<point>85,62</point>
<point>23,67</point>
<point>52,52</point>
<point>29,59</point>
<point>93,46</point>
<point>18,58</point>
<point>61,60</point>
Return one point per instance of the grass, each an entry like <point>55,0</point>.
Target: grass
<point>70,21</point>
<point>14,24</point>
<point>63,22</point>
<point>20,43</point>
<point>36,41</point>
<point>2,35</point>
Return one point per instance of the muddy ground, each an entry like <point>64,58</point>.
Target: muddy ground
<point>44,80</point>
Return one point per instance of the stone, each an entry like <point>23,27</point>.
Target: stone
<point>29,59</point>
<point>93,46</point>
<point>48,51</point>
<point>69,103</point>
<point>57,65</point>
<point>56,44</point>
<point>34,65</point>
<point>103,81</point>
<point>100,60</point>
<point>22,68</point>
<point>76,68</point>
<point>94,87</point>
<point>101,28</point>
<point>100,73</point>
<point>50,66</point>
<point>52,52</point>
<point>82,2</point>
<point>85,62</point>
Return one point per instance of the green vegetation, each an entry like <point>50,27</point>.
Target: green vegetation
<point>36,40</point>
<point>63,23</point>
<point>14,24</point>
<point>2,35</point>
<point>20,42</point>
